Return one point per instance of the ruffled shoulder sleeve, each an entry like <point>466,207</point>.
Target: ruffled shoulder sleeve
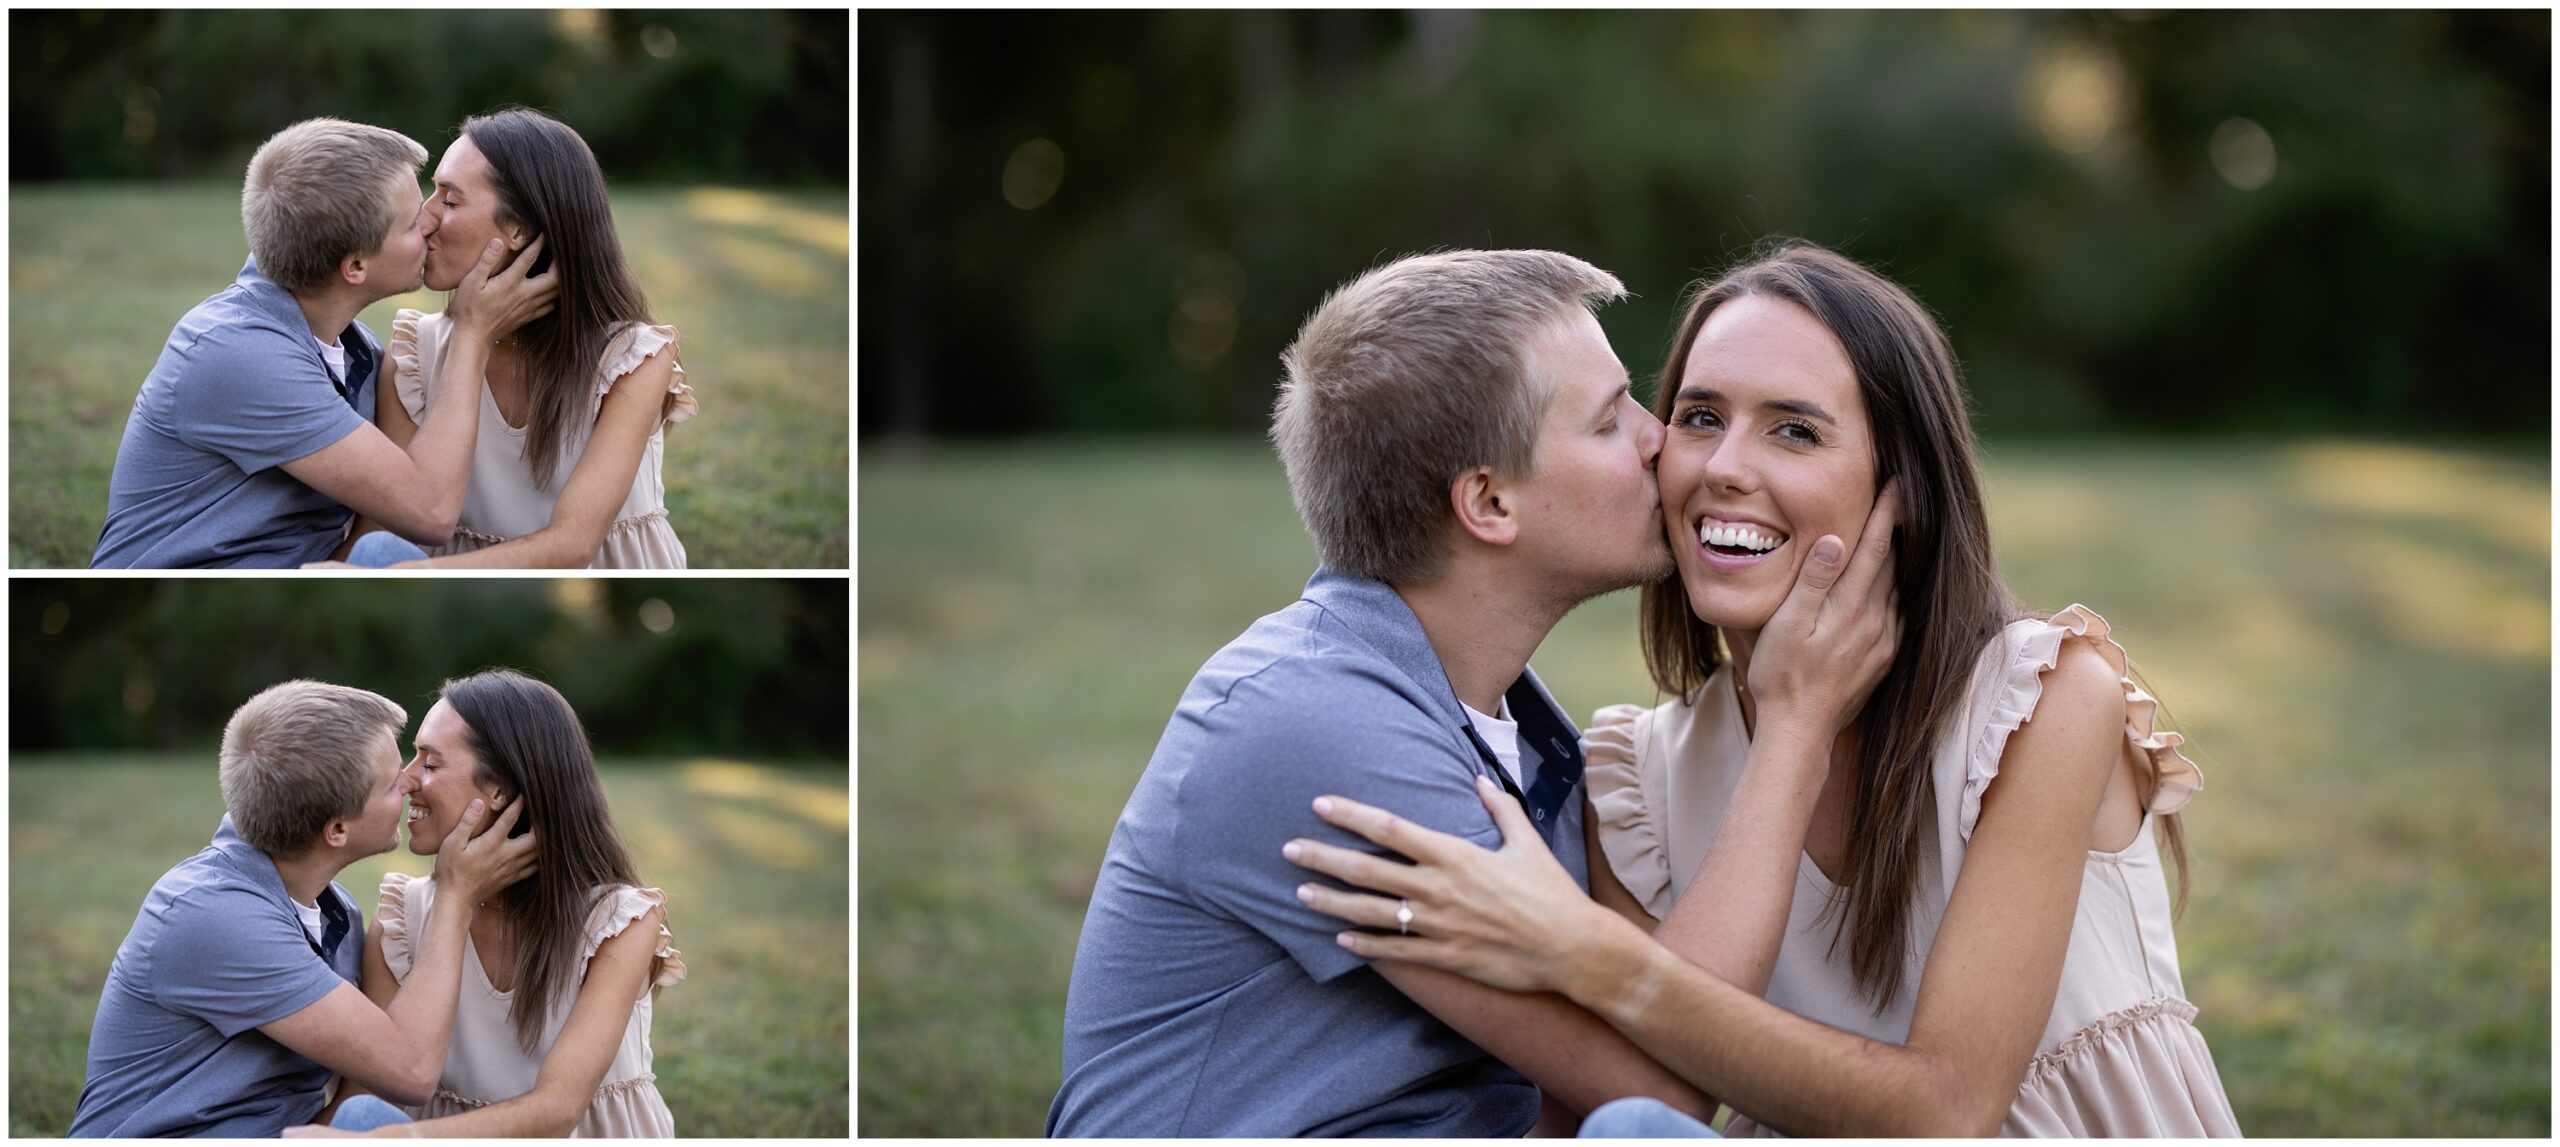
<point>1614,769</point>
<point>2033,647</point>
<point>400,894</point>
<point>631,346</point>
<point>615,912</point>
<point>410,376</point>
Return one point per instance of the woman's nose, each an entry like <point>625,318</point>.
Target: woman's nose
<point>1730,464</point>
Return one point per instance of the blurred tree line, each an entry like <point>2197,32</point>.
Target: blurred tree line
<point>734,96</point>
<point>697,665</point>
<point>2246,221</point>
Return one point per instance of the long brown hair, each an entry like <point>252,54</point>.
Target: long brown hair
<point>547,180</point>
<point>528,742</point>
<point>1953,599</point>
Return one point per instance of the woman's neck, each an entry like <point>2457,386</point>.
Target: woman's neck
<point>1739,643</point>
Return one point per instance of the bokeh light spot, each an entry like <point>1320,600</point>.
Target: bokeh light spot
<point>1207,291</point>
<point>57,617</point>
<point>578,25</point>
<point>2076,94</point>
<point>2243,153</point>
<point>1034,173</point>
<point>658,40</point>
<point>658,616</point>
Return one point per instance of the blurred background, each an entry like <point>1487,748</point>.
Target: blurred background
<point>2255,310</point>
<point>718,713</point>
<point>721,133</point>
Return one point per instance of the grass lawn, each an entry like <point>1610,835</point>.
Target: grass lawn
<point>98,274</point>
<point>752,1043</point>
<point>2355,637</point>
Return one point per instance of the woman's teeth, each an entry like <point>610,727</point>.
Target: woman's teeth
<point>416,815</point>
<point>1736,538</point>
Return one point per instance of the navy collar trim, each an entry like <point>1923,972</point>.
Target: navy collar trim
<point>1378,613</point>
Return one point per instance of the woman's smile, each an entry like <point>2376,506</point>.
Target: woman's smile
<point>1736,543</point>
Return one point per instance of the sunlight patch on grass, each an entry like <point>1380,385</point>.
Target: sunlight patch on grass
<point>2408,484</point>
<point>771,841</point>
<point>739,208</point>
<point>819,804</point>
<point>2448,602</point>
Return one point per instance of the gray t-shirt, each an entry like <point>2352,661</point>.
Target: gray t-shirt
<point>216,951</point>
<point>1206,1000</point>
<point>240,389</point>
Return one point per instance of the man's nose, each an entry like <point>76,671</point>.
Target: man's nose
<point>1654,434</point>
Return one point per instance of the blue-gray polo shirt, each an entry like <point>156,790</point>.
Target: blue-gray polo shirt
<point>216,951</point>
<point>1206,1000</point>
<point>240,390</point>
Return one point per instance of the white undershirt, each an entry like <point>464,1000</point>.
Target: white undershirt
<point>336,355</point>
<point>1503,735</point>
<point>310,914</point>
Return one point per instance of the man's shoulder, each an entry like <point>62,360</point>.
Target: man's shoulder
<point>234,319</point>
<point>1305,660</point>
<point>207,891</point>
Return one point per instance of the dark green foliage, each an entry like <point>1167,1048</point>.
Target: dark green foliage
<point>2047,182</point>
<point>757,97</point>
<point>741,666</point>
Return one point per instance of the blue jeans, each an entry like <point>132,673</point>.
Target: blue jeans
<point>381,548</point>
<point>364,1113</point>
<point>1636,1117</point>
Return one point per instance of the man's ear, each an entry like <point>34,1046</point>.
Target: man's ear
<point>351,270</point>
<point>334,834</point>
<point>1483,507</point>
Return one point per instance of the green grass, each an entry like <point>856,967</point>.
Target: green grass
<point>752,1043</point>
<point>2356,638</point>
<point>98,274</point>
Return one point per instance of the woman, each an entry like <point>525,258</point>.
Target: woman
<point>558,982</point>
<point>1970,902</point>
<point>573,429</point>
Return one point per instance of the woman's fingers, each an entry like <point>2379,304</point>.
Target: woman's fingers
<point>1412,949</point>
<point>1358,869</point>
<point>1382,828</point>
<point>1358,908</point>
<point>1516,830</point>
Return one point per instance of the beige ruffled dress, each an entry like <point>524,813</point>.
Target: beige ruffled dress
<point>2120,1054</point>
<point>504,502</point>
<point>483,1064</point>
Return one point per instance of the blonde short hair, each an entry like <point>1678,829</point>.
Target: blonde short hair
<point>300,755</point>
<point>1408,376</point>
<point>315,195</point>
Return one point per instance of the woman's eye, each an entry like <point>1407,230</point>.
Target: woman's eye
<point>1800,433</point>
<point>1698,418</point>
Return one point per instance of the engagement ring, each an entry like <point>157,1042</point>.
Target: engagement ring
<point>1404,917</point>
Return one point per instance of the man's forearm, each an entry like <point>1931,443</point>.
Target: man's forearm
<point>423,1011</point>
<point>441,449</point>
<point>1732,917</point>
<point>533,1115</point>
<point>1785,1071</point>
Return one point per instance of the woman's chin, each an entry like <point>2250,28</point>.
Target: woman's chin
<point>1723,612</point>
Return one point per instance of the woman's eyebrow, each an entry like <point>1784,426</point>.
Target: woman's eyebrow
<point>1781,405</point>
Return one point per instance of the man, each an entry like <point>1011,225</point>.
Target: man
<point>235,994</point>
<point>1461,444</point>
<point>252,436</point>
